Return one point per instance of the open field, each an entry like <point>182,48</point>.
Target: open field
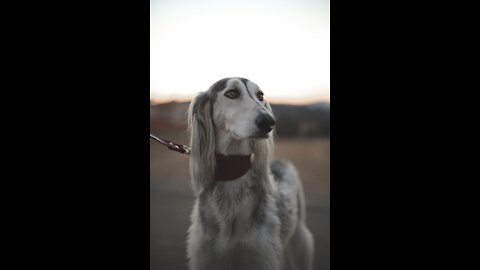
<point>171,197</point>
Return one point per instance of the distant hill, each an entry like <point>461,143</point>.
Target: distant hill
<point>302,120</point>
<point>311,120</point>
<point>320,105</point>
<point>171,115</point>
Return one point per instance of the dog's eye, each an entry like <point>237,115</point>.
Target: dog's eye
<point>260,96</point>
<point>232,94</point>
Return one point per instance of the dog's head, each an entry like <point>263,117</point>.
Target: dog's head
<point>231,107</point>
<point>237,106</point>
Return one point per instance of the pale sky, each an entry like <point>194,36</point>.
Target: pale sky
<point>282,45</point>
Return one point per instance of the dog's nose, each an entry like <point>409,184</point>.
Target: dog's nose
<point>265,122</point>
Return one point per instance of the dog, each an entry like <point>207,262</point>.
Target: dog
<point>249,211</point>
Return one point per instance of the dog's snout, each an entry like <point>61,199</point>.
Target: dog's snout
<point>265,122</point>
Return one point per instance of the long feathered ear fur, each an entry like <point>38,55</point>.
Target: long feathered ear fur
<point>263,153</point>
<point>202,141</point>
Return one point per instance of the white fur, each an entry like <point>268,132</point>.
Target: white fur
<point>257,221</point>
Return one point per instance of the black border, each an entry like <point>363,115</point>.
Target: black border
<point>369,211</point>
<point>83,135</point>
<point>80,135</point>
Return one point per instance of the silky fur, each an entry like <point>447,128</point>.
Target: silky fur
<point>256,222</point>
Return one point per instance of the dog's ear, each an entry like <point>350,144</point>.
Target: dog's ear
<point>202,141</point>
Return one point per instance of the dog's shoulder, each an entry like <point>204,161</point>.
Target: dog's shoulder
<point>283,171</point>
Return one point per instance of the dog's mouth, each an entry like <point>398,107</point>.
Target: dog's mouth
<point>235,136</point>
<point>256,135</point>
<point>260,135</point>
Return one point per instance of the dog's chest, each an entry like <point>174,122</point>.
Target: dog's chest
<point>241,214</point>
<point>233,211</point>
<point>241,233</point>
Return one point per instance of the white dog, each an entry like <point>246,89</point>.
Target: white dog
<point>249,211</point>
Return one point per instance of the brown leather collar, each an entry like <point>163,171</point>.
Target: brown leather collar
<point>231,167</point>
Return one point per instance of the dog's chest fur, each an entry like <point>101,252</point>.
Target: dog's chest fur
<point>239,221</point>
<point>236,209</point>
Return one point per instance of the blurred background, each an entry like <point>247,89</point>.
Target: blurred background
<point>281,45</point>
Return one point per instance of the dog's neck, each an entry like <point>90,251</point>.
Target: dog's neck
<point>231,167</point>
<point>227,145</point>
<point>233,157</point>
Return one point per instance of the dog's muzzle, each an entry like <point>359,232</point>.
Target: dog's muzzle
<point>265,122</point>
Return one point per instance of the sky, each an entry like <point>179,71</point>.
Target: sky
<point>282,45</point>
